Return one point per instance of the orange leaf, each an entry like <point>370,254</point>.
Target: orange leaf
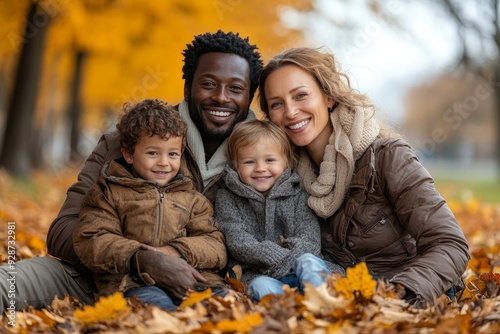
<point>45,318</point>
<point>196,297</point>
<point>357,283</point>
<point>235,284</point>
<point>106,308</point>
<point>244,325</point>
<point>474,288</point>
<point>36,243</point>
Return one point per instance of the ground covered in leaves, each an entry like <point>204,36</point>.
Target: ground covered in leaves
<point>354,304</point>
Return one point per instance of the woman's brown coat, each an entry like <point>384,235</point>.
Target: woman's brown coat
<point>395,220</point>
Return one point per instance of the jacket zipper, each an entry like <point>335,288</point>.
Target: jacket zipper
<point>379,220</point>
<point>159,218</point>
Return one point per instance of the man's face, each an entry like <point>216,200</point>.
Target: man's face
<point>220,94</point>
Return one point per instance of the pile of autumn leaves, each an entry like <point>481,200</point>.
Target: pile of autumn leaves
<point>352,304</point>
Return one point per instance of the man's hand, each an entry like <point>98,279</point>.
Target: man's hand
<point>171,273</point>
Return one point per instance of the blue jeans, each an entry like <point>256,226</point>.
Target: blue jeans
<point>151,294</point>
<point>307,268</point>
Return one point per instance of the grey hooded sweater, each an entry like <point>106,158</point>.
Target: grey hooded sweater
<point>264,235</point>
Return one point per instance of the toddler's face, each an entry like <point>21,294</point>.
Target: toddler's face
<point>156,159</point>
<point>261,165</point>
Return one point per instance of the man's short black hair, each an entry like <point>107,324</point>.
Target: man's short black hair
<point>226,43</point>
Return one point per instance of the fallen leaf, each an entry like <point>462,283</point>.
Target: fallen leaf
<point>196,297</point>
<point>163,322</point>
<point>106,308</point>
<point>319,301</point>
<point>358,283</point>
<point>243,325</point>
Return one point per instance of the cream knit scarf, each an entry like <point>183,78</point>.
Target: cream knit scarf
<point>218,160</point>
<point>353,133</point>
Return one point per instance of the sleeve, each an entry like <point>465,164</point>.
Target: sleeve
<point>442,250</point>
<point>203,247</point>
<point>59,236</point>
<point>98,239</point>
<point>239,230</point>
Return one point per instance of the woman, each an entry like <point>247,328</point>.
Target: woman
<point>378,203</point>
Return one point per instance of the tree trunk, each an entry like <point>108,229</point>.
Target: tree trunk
<point>15,154</point>
<point>74,108</point>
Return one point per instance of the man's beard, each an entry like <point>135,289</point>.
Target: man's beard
<point>212,133</point>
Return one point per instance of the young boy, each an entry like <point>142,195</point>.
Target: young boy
<point>144,202</point>
<point>269,229</point>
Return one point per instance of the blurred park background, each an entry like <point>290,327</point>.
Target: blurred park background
<point>67,67</point>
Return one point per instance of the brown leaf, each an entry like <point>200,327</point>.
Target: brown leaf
<point>319,301</point>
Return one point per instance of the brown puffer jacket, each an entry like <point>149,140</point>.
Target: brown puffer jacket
<point>121,212</point>
<point>59,237</point>
<point>395,220</point>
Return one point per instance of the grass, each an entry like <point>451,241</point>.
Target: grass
<point>465,189</point>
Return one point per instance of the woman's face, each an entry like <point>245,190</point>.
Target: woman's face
<point>299,106</point>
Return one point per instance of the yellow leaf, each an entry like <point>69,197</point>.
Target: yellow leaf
<point>358,283</point>
<point>196,297</point>
<point>106,308</point>
<point>244,325</point>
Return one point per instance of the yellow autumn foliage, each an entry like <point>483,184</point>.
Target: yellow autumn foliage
<point>106,308</point>
<point>196,297</point>
<point>343,305</point>
<point>244,325</point>
<point>132,49</point>
<point>358,283</point>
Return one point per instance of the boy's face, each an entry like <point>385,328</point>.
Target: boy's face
<point>220,93</point>
<point>156,159</point>
<point>260,165</point>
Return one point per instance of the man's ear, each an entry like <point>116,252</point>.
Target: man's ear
<point>127,155</point>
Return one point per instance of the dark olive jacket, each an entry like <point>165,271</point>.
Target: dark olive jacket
<point>394,219</point>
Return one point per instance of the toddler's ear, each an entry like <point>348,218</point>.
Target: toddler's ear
<point>129,158</point>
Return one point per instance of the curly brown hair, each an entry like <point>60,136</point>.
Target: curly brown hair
<point>149,117</point>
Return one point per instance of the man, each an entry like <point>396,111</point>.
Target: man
<point>221,75</point>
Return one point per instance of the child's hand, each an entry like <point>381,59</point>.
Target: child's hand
<point>284,243</point>
<point>167,250</point>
